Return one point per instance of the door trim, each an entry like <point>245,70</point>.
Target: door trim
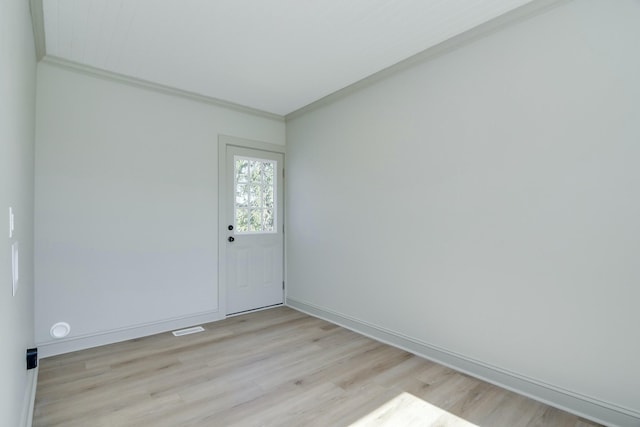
<point>225,141</point>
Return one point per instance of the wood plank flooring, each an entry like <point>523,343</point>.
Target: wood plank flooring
<point>276,367</point>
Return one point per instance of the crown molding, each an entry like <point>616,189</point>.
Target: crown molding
<point>529,10</point>
<point>522,13</point>
<point>37,21</point>
<point>156,87</point>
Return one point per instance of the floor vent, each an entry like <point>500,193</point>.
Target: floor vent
<point>188,331</point>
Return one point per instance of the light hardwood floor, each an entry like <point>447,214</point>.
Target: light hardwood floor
<point>276,367</point>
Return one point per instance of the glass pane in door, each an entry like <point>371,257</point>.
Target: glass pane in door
<point>255,195</point>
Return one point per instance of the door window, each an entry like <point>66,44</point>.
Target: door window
<point>255,195</point>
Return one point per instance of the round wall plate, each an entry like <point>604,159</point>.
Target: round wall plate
<point>60,330</point>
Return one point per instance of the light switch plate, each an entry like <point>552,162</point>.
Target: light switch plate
<point>15,267</point>
<point>11,226</point>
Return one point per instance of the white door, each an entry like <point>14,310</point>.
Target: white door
<point>254,231</point>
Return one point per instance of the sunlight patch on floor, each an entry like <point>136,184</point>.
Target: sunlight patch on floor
<point>408,410</point>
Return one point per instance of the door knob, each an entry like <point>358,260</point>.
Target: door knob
<point>231,239</point>
<point>230,227</point>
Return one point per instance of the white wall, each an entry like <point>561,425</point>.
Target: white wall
<point>17,118</point>
<point>126,202</point>
<point>486,201</point>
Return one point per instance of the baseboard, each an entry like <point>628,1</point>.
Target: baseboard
<point>29,397</point>
<point>575,403</point>
<point>67,345</point>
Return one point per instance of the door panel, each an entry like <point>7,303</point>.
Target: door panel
<point>254,235</point>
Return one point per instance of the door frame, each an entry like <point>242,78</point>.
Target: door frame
<point>225,141</point>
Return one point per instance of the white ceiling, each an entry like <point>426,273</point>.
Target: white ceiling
<point>272,55</point>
